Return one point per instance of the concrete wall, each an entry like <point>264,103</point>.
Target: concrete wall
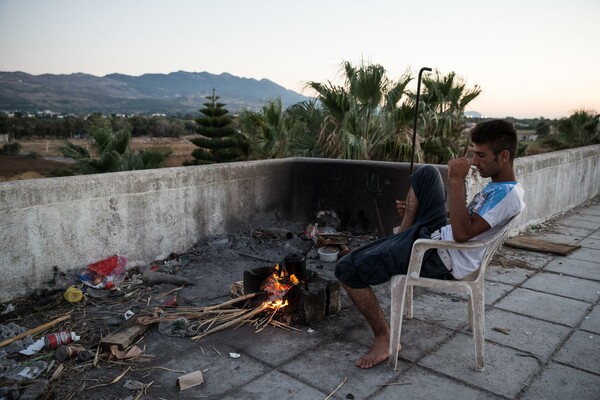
<point>73,221</point>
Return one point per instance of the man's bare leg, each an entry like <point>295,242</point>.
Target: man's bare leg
<point>368,305</point>
<point>410,212</point>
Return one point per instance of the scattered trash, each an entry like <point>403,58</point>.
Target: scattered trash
<point>135,385</point>
<point>34,390</point>
<point>234,355</point>
<point>63,352</point>
<point>128,314</point>
<point>9,308</point>
<point>33,348</point>
<point>54,340</point>
<point>105,274</point>
<point>34,330</point>
<point>190,380</point>
<point>152,278</point>
<point>181,327</point>
<point>328,254</point>
<point>132,352</point>
<point>506,331</point>
<point>31,371</point>
<point>73,294</point>
<point>328,219</point>
<point>310,330</point>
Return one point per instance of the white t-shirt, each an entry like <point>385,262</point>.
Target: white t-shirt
<point>496,203</point>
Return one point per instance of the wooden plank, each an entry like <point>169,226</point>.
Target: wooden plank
<point>123,338</point>
<point>541,246</point>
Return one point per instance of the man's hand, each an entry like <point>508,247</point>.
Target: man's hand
<point>401,208</point>
<point>458,168</point>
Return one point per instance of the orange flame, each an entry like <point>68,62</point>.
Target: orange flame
<point>277,286</point>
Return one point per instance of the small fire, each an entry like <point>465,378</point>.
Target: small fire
<point>277,285</point>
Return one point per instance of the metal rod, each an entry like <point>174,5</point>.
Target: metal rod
<point>414,138</point>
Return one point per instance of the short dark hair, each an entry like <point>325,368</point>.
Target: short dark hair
<point>498,134</point>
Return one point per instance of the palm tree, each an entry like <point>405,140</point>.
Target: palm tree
<point>275,133</point>
<point>442,118</point>
<point>111,153</point>
<point>582,128</point>
<point>358,114</point>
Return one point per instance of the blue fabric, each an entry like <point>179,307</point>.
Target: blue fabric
<point>375,262</point>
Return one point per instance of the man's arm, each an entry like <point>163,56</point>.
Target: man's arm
<point>464,226</point>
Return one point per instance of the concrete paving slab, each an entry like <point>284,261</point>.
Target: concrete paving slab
<point>505,371</point>
<point>558,238</point>
<point>221,372</point>
<point>442,310</point>
<point>418,383</point>
<point>581,221</point>
<point>571,231</point>
<point>547,307</point>
<point>559,382</point>
<point>528,334</point>
<point>519,258</point>
<point>592,321</point>
<point>593,210</point>
<point>572,267</point>
<point>590,243</point>
<point>332,363</point>
<point>577,351</point>
<point>511,276</point>
<point>494,291</point>
<point>267,345</point>
<point>586,254</point>
<point>275,386</point>
<point>418,338</point>
<point>567,286</point>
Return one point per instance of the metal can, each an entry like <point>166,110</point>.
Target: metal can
<point>56,339</point>
<point>63,352</point>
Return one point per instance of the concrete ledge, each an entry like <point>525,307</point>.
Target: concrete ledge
<point>73,221</point>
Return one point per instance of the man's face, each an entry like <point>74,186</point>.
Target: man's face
<point>485,161</point>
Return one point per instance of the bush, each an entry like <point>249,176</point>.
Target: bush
<point>11,148</point>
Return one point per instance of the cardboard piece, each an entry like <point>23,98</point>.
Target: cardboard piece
<point>190,380</point>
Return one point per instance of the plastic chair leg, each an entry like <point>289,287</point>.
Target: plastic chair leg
<point>478,310</point>
<point>398,290</point>
<point>408,302</point>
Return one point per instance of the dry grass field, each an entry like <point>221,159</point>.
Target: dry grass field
<point>12,167</point>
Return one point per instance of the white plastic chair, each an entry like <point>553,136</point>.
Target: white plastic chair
<point>473,284</point>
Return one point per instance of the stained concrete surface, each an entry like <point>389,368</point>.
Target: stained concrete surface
<point>547,304</point>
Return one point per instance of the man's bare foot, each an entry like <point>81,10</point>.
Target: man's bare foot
<point>377,354</point>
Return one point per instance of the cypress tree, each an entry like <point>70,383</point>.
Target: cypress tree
<point>218,141</point>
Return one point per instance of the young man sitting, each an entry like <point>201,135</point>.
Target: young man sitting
<point>424,216</point>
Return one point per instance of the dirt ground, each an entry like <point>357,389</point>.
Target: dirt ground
<point>14,167</point>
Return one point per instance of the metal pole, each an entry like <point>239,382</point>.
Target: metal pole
<point>414,138</point>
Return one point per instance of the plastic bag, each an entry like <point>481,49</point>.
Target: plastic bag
<point>105,274</point>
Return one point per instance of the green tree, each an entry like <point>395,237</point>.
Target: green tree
<point>442,120</point>
<point>275,133</point>
<point>363,118</point>
<point>582,128</point>
<point>218,141</point>
<point>110,152</point>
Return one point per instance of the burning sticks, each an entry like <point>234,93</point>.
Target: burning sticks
<point>218,317</point>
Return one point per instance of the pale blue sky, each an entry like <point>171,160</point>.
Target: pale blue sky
<point>531,58</point>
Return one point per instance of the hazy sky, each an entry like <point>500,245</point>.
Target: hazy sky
<point>531,58</point>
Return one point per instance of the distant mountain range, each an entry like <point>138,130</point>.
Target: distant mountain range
<point>177,92</point>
